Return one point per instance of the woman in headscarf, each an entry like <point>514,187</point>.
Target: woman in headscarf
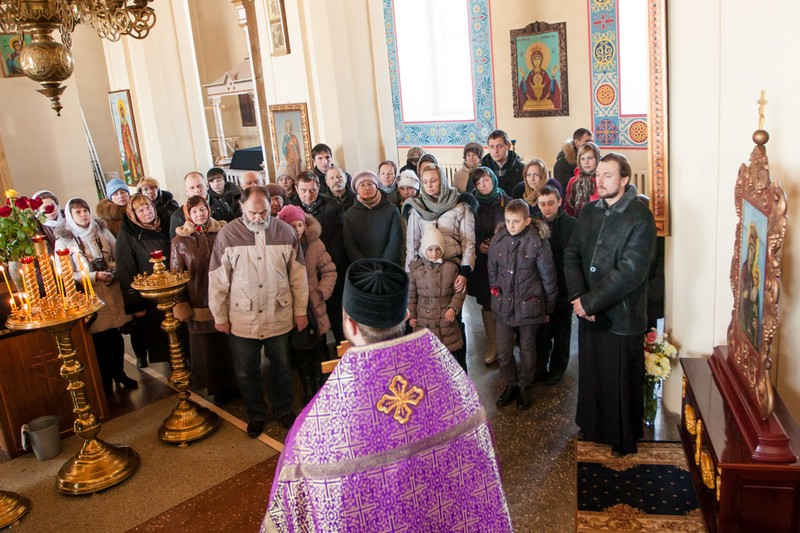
<point>534,179</point>
<point>210,350</point>
<point>582,188</point>
<point>112,208</point>
<point>163,201</point>
<point>453,214</point>
<point>387,181</point>
<point>91,246</point>
<point>492,202</point>
<point>142,232</point>
<point>287,182</point>
<point>54,219</point>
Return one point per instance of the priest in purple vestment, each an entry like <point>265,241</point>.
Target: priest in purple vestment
<point>397,439</point>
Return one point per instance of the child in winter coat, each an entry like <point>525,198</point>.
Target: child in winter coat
<point>523,282</point>
<point>432,301</point>
<point>321,272</point>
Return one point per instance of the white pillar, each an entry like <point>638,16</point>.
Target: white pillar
<point>223,148</point>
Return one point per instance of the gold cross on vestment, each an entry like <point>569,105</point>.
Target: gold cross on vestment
<point>401,399</point>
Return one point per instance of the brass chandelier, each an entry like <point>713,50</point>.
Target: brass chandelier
<point>49,62</point>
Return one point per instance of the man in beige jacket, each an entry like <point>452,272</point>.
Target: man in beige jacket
<point>258,292</point>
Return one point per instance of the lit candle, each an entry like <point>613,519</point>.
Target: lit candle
<point>59,282</point>
<point>40,247</point>
<point>66,275</point>
<point>28,271</point>
<point>8,286</point>
<point>84,266</point>
<point>157,255</point>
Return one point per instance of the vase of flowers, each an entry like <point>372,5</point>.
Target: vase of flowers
<point>20,219</point>
<point>658,354</point>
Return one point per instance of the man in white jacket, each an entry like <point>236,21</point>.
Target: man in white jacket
<point>258,292</point>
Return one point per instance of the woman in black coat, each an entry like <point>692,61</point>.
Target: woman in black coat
<point>492,202</point>
<point>141,233</point>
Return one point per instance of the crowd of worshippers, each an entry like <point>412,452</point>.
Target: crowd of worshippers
<point>267,264</point>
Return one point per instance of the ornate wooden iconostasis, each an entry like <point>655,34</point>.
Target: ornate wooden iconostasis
<point>741,442</point>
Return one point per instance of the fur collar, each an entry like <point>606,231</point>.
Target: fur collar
<point>313,229</point>
<point>570,153</point>
<point>188,228</point>
<point>108,210</point>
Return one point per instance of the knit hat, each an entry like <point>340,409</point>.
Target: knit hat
<point>415,152</point>
<point>291,213</point>
<point>275,190</point>
<point>431,237</point>
<point>364,175</point>
<point>115,185</point>
<point>376,293</point>
<point>408,178</point>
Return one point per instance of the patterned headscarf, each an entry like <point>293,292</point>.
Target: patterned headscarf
<point>476,174</point>
<point>430,207</point>
<point>130,211</point>
<point>583,187</point>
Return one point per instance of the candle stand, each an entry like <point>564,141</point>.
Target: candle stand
<point>187,422</point>
<point>98,465</point>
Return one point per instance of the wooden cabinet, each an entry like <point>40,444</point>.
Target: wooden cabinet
<point>31,385</point>
<point>736,493</point>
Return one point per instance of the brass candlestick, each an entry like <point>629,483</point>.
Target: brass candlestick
<point>187,422</point>
<point>12,507</point>
<point>98,465</point>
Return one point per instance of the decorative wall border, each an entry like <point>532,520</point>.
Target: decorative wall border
<point>449,133</point>
<point>658,144</point>
<point>611,128</point>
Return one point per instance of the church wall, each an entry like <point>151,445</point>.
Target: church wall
<point>716,54</point>
<point>43,150</point>
<point>220,45</point>
<point>541,136</point>
<point>161,73</point>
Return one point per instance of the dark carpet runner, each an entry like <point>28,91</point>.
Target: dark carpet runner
<point>649,491</point>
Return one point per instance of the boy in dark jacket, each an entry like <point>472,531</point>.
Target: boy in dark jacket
<point>552,339</point>
<point>523,282</point>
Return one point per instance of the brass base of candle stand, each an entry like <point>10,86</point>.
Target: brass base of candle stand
<point>12,507</point>
<point>97,466</point>
<point>186,423</point>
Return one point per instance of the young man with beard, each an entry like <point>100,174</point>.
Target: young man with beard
<point>258,292</point>
<point>606,267</point>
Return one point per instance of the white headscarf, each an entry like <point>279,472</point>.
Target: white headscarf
<point>59,220</point>
<point>88,235</point>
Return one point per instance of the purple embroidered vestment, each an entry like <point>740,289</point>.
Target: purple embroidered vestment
<point>396,440</point>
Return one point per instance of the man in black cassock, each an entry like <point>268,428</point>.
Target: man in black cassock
<point>606,265</point>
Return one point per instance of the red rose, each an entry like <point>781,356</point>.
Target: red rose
<point>35,203</point>
<point>49,208</point>
<point>5,211</point>
<point>22,202</point>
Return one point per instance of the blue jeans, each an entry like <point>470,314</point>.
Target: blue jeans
<point>247,364</point>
